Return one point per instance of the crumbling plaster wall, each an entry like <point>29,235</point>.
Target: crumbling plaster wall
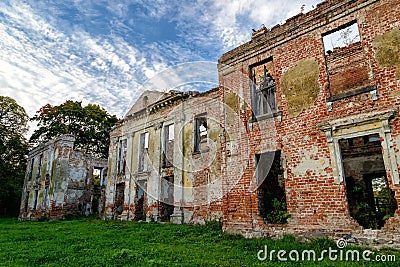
<point>62,187</point>
<point>189,169</point>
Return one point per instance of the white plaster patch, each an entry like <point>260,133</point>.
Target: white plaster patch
<point>311,164</point>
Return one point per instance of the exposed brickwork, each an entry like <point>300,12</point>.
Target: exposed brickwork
<point>348,69</point>
<point>315,192</point>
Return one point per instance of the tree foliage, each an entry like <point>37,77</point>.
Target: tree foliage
<point>13,150</point>
<point>90,125</point>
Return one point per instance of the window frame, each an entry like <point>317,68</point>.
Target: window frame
<point>263,93</point>
<point>143,149</point>
<point>168,138</point>
<point>197,133</point>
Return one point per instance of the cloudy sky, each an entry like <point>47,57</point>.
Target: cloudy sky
<point>104,51</point>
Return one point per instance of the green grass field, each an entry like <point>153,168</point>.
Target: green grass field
<point>116,243</point>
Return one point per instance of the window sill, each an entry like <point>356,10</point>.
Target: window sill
<point>350,93</point>
<point>276,114</point>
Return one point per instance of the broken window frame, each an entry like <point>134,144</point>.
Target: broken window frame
<point>143,152</point>
<point>200,131</point>
<point>263,94</point>
<point>168,146</point>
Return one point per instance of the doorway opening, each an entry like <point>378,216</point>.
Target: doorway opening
<point>271,188</point>
<point>119,198</point>
<point>140,207</point>
<point>371,201</point>
<point>167,198</point>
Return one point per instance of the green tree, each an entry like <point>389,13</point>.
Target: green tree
<point>13,150</point>
<point>90,125</point>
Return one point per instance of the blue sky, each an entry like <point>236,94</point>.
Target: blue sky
<point>103,51</point>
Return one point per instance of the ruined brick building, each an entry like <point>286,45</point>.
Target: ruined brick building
<point>165,159</point>
<point>61,181</point>
<point>301,136</point>
<point>334,108</point>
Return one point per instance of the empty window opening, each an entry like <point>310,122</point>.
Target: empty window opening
<point>271,188</point>
<point>341,37</point>
<point>143,152</point>
<point>40,165</point>
<point>26,201</point>
<point>168,153</point>
<point>96,191</point>
<point>96,176</point>
<point>119,198</point>
<point>122,156</point>
<point>200,133</point>
<point>31,169</point>
<point>167,198</point>
<point>35,199</point>
<point>263,89</point>
<point>140,206</point>
<point>371,201</point>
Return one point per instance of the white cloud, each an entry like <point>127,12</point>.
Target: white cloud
<point>46,57</point>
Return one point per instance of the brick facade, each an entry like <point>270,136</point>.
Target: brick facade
<point>321,98</point>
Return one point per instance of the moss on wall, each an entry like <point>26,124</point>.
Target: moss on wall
<point>232,101</point>
<point>64,171</point>
<point>388,50</point>
<point>188,140</point>
<point>52,176</point>
<point>152,142</point>
<point>213,133</point>
<point>300,86</point>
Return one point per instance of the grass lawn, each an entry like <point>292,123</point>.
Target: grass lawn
<point>88,242</point>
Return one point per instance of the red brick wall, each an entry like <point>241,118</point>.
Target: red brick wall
<point>314,199</point>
